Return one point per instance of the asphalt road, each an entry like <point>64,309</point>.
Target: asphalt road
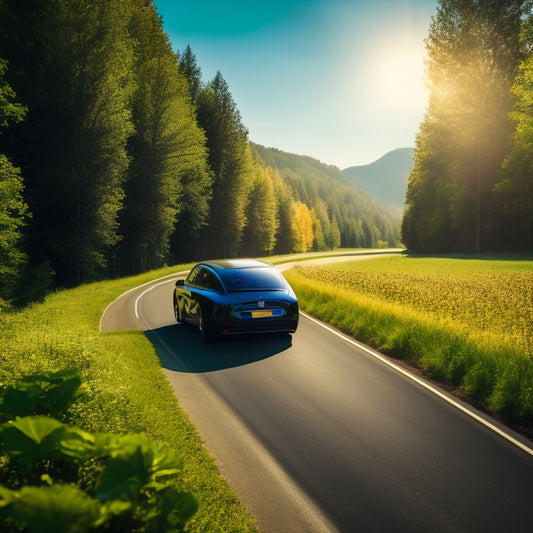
<point>318,434</point>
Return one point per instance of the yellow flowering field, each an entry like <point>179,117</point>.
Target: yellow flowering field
<point>494,297</point>
<point>465,322</point>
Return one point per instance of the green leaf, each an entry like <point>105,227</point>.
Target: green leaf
<point>166,465</point>
<point>175,508</point>
<point>127,471</point>
<point>25,439</point>
<point>36,428</point>
<point>47,393</point>
<point>61,507</point>
<point>74,442</point>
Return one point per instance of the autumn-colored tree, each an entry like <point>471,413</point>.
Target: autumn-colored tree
<point>302,224</point>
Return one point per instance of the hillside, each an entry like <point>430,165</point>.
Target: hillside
<point>362,220</point>
<point>386,178</point>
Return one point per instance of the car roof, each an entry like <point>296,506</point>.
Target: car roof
<point>246,274</point>
<point>225,264</point>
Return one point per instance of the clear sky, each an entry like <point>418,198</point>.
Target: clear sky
<point>338,80</point>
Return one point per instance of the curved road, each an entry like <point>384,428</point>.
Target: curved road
<point>317,433</point>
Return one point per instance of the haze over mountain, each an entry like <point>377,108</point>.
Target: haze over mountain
<point>384,179</point>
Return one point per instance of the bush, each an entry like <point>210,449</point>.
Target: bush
<point>133,484</point>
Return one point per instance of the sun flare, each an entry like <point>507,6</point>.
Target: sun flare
<point>399,74</point>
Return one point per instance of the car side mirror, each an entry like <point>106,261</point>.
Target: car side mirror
<point>180,283</point>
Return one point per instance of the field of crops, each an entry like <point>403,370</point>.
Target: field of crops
<point>494,298</point>
<point>465,322</point>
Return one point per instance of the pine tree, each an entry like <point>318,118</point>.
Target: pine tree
<point>168,176</point>
<point>193,73</point>
<point>285,237</point>
<point>71,65</point>
<point>231,162</point>
<point>261,217</point>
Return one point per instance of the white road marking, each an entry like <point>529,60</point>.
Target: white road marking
<point>467,410</point>
<point>177,274</point>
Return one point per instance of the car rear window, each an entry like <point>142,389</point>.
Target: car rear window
<point>252,279</point>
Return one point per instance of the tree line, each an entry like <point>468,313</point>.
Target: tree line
<point>118,158</point>
<point>471,188</point>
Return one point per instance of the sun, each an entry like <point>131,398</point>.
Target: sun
<point>398,77</point>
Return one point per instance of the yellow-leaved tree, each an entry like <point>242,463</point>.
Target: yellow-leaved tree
<point>302,226</point>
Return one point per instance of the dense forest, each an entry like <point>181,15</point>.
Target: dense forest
<point>471,189</point>
<point>117,157</point>
<point>341,214</point>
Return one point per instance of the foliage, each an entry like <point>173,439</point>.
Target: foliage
<point>515,191</point>
<point>189,68</point>
<point>465,322</point>
<point>324,189</point>
<point>261,215</point>
<point>231,162</point>
<point>135,483</point>
<point>168,179</point>
<point>13,209</point>
<point>10,111</point>
<point>473,53</point>
<point>70,62</point>
<point>12,219</point>
<point>124,390</point>
<point>302,224</point>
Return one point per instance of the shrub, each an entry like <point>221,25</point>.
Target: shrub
<point>133,486</point>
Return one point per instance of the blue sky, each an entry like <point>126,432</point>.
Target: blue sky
<point>338,80</point>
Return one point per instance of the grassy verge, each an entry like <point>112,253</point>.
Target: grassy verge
<point>124,388</point>
<point>464,322</point>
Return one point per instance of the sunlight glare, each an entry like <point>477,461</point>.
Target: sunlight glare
<point>398,77</point>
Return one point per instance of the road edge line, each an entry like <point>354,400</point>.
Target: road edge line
<point>467,410</point>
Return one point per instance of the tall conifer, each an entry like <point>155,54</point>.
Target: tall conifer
<point>71,64</point>
<point>231,161</point>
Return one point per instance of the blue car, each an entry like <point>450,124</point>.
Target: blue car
<point>235,296</point>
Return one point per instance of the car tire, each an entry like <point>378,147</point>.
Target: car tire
<point>203,327</point>
<point>177,314</point>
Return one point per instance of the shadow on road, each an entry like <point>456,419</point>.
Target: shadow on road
<point>180,348</point>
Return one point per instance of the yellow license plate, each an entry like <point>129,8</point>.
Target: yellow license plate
<point>256,314</point>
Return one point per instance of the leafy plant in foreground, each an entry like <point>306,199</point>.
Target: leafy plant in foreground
<point>134,489</point>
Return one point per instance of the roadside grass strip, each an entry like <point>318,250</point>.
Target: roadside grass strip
<point>466,341</point>
<point>124,389</point>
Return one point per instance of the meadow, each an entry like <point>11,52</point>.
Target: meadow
<point>465,322</point>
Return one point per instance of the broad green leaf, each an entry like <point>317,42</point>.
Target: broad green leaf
<point>35,428</point>
<point>47,393</point>
<point>125,474</point>
<point>174,510</point>
<point>59,508</point>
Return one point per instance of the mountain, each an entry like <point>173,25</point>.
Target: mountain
<point>386,178</point>
<point>361,219</point>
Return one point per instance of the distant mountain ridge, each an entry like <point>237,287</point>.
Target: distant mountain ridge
<point>385,179</point>
<point>363,220</point>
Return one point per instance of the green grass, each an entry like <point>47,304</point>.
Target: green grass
<point>466,322</point>
<point>124,388</point>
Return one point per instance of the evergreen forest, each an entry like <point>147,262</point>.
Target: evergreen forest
<point>117,157</point>
<point>471,188</point>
